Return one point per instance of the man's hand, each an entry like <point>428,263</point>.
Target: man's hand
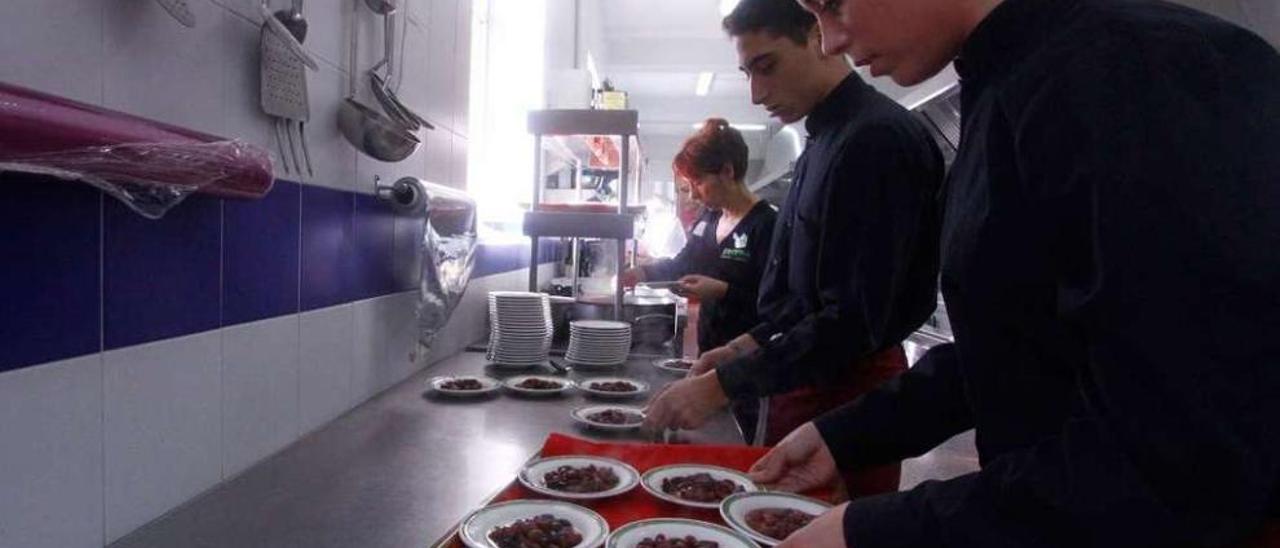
<point>706,288</point>
<point>827,531</point>
<point>632,276</point>
<point>685,404</point>
<point>711,359</point>
<point>800,462</point>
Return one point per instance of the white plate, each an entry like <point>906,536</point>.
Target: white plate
<point>629,535</point>
<point>585,386</point>
<point>660,285</point>
<point>475,529</point>
<point>598,361</point>
<point>596,335</point>
<point>533,474</point>
<point>595,359</point>
<point>652,481</point>
<point>600,325</point>
<point>488,385</point>
<point>614,351</point>
<point>575,339</point>
<point>580,415</point>
<point>664,365</point>
<point>517,294</point>
<point>565,385</point>
<point>521,360</point>
<point>735,507</point>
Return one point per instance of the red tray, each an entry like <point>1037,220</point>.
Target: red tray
<point>636,504</point>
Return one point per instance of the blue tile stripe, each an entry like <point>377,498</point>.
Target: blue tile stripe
<point>81,273</point>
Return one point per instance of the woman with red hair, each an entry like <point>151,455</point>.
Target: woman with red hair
<point>728,243</point>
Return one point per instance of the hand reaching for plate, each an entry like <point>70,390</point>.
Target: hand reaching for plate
<point>800,462</point>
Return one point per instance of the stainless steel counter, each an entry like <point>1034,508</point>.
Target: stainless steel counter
<point>397,471</point>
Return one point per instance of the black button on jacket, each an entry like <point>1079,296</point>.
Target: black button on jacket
<point>1111,267</point>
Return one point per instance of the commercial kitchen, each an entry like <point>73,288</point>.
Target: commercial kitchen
<point>364,272</point>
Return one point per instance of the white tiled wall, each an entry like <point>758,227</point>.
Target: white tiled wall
<point>111,441</point>
<point>129,55</point>
<point>260,390</point>
<point>51,459</point>
<point>326,349</point>
<point>162,420</point>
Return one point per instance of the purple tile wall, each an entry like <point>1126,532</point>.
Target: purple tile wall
<point>50,235</point>
<point>81,273</point>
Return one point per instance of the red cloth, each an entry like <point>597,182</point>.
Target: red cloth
<point>791,410</point>
<point>638,504</point>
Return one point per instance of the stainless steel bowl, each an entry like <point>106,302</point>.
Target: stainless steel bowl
<point>375,134</point>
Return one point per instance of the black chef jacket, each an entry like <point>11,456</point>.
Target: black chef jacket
<point>1111,267</point>
<point>855,255</point>
<point>739,261</point>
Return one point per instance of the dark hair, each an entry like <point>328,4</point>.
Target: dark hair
<point>784,18</point>
<point>708,150</point>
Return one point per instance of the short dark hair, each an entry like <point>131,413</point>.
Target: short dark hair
<point>715,144</point>
<point>783,18</point>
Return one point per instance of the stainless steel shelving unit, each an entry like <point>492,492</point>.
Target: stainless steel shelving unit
<point>619,226</point>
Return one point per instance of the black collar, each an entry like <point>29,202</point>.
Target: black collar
<point>835,108</point>
<point>1009,34</point>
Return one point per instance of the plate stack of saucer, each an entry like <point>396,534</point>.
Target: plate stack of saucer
<point>519,328</point>
<point>598,342</point>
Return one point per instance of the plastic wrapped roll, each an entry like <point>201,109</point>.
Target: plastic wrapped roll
<point>146,164</point>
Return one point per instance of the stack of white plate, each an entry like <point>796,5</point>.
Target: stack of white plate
<point>598,342</point>
<point>519,328</point>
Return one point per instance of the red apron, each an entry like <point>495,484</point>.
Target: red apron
<point>789,411</point>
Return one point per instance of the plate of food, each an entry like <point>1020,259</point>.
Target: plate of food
<point>770,517</point>
<point>579,477</point>
<point>609,417</point>
<point>676,533</point>
<point>538,385</point>
<point>520,523</point>
<point>679,366</point>
<point>613,387</point>
<point>464,385</point>
<point>695,485</point>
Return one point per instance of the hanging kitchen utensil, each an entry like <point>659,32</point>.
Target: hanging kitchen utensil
<point>367,129</point>
<point>284,89</point>
<point>381,85</point>
<point>290,42</point>
<point>382,7</point>
<point>294,21</point>
<point>180,11</point>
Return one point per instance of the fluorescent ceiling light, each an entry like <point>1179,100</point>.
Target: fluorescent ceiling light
<point>704,83</point>
<point>739,127</point>
<point>726,7</point>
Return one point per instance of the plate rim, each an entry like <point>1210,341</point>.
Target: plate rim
<point>657,492</point>
<point>510,384</point>
<point>574,414</point>
<point>643,387</point>
<point>659,365</point>
<point>592,514</point>
<point>744,529</point>
<point>520,476</point>
<point>613,538</point>
<point>496,385</point>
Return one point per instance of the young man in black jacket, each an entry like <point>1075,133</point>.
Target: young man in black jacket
<point>853,263</point>
<point>1109,262</point>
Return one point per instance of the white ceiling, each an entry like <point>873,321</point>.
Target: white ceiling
<point>655,50</point>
